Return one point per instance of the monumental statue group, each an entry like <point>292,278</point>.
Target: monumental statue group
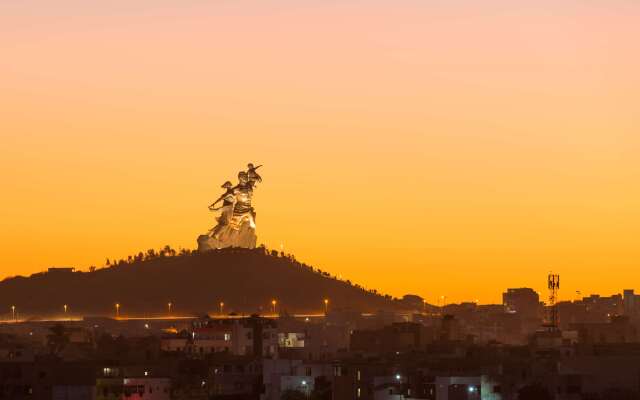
<point>236,220</point>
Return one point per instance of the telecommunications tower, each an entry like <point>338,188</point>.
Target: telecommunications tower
<point>553,283</point>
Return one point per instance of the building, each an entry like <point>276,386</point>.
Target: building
<point>631,302</point>
<point>60,270</point>
<point>238,336</point>
<point>138,388</point>
<point>466,388</point>
<point>619,330</point>
<point>525,303</point>
<point>235,377</point>
<point>522,301</point>
<point>281,375</point>
<point>397,337</point>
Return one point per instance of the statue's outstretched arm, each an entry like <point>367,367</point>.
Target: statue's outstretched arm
<point>231,198</point>
<point>213,205</point>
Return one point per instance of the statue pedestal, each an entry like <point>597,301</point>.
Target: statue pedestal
<point>244,237</point>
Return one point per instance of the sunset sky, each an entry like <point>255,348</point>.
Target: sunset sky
<point>414,146</point>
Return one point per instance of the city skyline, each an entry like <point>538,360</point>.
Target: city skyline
<point>393,157</point>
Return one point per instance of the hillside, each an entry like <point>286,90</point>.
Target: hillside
<point>246,280</point>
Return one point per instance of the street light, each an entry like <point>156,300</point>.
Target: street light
<point>169,304</point>
<point>222,308</point>
<point>273,306</point>
<point>326,306</point>
<point>117,310</point>
<point>13,313</point>
<point>65,309</point>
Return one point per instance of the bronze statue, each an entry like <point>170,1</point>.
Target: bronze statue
<point>236,223</point>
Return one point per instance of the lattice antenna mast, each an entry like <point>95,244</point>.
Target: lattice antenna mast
<point>553,285</point>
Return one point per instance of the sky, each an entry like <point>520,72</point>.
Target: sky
<point>441,148</point>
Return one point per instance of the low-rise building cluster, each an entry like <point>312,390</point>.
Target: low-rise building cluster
<point>458,352</point>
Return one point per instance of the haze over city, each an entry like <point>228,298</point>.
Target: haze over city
<point>437,148</point>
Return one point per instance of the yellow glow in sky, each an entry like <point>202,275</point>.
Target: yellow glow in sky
<point>436,148</point>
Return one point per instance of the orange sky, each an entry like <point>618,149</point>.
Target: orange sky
<point>432,147</point>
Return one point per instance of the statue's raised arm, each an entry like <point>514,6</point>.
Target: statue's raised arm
<point>252,175</point>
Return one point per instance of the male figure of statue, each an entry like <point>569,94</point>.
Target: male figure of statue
<point>243,193</point>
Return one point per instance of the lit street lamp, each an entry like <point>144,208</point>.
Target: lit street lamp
<point>117,310</point>
<point>13,313</point>
<point>326,306</point>
<point>222,308</point>
<point>169,304</point>
<point>65,307</point>
<point>273,306</point>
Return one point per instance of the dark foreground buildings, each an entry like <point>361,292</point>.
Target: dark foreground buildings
<point>459,352</point>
